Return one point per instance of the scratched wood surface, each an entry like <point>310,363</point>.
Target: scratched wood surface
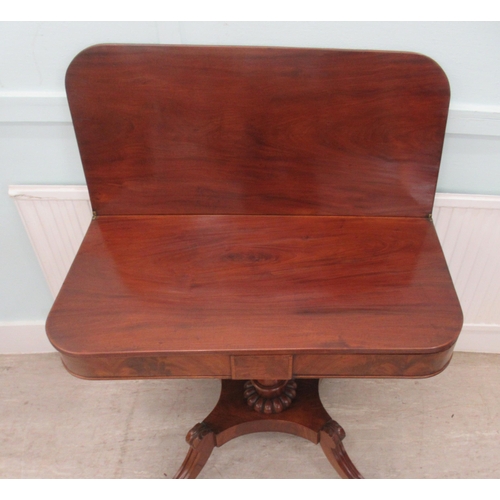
<point>244,130</point>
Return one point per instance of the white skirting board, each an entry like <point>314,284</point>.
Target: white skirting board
<point>479,338</point>
<point>56,218</point>
<point>24,338</point>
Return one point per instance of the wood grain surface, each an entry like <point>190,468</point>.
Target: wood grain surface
<point>261,213</point>
<point>245,130</point>
<point>306,418</point>
<point>261,285</point>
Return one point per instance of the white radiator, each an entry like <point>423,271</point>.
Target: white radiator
<point>469,230</point>
<point>56,218</point>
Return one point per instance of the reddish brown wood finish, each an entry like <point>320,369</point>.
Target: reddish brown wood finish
<point>245,130</point>
<point>231,418</point>
<point>218,365</point>
<point>273,287</point>
<point>261,214</point>
<point>270,396</point>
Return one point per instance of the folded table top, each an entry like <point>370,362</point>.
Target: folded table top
<point>260,213</point>
<point>245,130</point>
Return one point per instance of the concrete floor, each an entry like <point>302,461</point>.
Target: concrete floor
<point>53,425</point>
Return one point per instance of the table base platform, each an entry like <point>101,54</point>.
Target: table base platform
<point>233,416</point>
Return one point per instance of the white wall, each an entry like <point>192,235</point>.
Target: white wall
<point>37,144</point>
<point>34,55</point>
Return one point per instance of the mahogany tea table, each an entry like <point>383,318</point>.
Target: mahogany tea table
<point>261,216</point>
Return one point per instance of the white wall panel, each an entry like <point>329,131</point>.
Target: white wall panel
<point>468,227</point>
<point>469,231</point>
<point>56,219</point>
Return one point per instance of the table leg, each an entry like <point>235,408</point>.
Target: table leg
<point>201,442</point>
<point>331,437</point>
<point>233,416</point>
